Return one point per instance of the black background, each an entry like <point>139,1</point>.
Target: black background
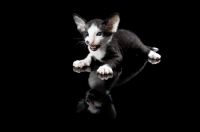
<point>50,89</point>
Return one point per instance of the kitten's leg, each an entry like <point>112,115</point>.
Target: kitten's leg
<point>105,69</point>
<point>151,51</point>
<point>154,55</point>
<point>85,62</point>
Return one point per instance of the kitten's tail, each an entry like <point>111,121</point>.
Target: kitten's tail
<point>153,48</point>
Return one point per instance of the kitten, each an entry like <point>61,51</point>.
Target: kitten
<point>108,44</point>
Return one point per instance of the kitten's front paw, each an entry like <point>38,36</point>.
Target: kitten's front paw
<point>154,55</point>
<point>105,69</point>
<point>80,64</point>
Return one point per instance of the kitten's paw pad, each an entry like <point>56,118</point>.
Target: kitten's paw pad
<point>80,64</point>
<point>104,70</point>
<point>154,55</point>
<point>154,61</point>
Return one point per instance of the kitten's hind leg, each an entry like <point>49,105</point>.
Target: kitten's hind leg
<point>85,62</point>
<point>152,53</point>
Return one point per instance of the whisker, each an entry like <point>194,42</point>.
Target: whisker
<point>82,43</point>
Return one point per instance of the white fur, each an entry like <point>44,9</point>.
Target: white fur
<point>92,38</point>
<point>154,55</point>
<point>85,62</point>
<point>98,54</point>
<point>105,69</point>
<point>154,61</point>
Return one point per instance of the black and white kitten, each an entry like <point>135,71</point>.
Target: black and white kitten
<point>108,44</point>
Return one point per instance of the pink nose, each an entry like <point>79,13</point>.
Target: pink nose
<point>92,44</point>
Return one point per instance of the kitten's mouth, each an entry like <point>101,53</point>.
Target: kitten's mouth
<point>94,47</point>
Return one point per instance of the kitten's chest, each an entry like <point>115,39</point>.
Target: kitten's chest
<point>99,54</point>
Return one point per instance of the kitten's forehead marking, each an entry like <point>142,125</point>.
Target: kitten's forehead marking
<point>93,29</point>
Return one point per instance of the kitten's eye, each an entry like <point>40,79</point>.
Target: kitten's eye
<point>99,33</point>
<point>86,34</point>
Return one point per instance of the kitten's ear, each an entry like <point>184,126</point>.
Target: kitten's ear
<point>80,22</point>
<point>112,22</point>
<point>81,106</point>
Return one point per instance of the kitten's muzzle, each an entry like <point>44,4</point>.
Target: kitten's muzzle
<point>94,47</point>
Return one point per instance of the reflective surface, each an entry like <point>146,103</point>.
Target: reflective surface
<point>98,98</point>
<point>136,91</point>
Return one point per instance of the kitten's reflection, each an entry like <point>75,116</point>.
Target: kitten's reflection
<point>98,98</point>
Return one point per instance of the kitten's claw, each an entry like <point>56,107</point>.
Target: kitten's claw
<point>154,55</point>
<point>80,64</point>
<point>104,70</point>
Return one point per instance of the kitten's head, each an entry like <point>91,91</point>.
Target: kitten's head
<point>96,101</point>
<point>97,32</point>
